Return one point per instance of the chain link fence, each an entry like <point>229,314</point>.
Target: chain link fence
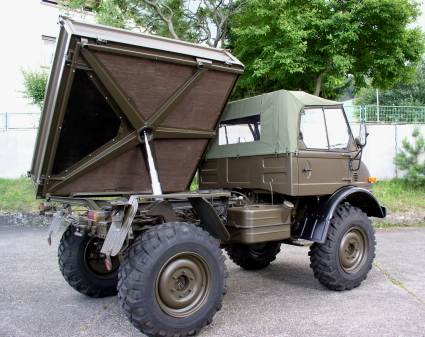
<point>19,121</point>
<point>386,114</point>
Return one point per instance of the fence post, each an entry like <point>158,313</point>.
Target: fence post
<point>377,105</point>
<point>362,115</point>
<point>6,119</point>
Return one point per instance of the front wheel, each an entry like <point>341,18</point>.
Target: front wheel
<point>83,267</point>
<point>172,280</point>
<point>344,260</point>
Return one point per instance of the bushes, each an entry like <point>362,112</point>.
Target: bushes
<point>408,159</point>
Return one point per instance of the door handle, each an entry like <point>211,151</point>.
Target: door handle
<point>307,170</point>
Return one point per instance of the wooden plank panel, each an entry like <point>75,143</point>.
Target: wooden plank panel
<point>126,172</point>
<point>201,107</point>
<point>177,160</point>
<point>148,83</point>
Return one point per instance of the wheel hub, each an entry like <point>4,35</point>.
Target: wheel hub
<point>183,284</point>
<point>353,250</point>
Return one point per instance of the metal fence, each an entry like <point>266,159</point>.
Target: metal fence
<point>386,114</point>
<point>19,121</point>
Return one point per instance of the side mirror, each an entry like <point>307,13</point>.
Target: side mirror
<point>361,139</point>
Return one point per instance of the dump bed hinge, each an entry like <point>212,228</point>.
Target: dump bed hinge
<point>99,40</point>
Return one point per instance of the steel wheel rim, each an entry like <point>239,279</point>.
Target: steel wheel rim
<point>183,284</point>
<point>353,250</point>
<point>259,248</point>
<point>95,263</point>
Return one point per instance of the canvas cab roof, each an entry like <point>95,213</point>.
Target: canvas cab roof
<point>273,119</point>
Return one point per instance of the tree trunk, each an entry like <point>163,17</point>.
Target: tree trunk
<point>318,85</point>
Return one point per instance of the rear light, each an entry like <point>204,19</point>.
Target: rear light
<point>108,264</point>
<point>45,206</point>
<point>372,179</point>
<point>97,215</point>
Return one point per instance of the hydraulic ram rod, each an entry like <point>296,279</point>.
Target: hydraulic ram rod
<point>156,185</point>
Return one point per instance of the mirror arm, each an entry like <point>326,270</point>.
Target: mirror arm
<point>355,157</point>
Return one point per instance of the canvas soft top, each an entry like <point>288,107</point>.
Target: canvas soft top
<point>280,116</point>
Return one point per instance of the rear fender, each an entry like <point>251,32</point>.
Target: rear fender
<point>316,223</point>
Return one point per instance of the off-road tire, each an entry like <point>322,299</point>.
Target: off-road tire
<point>172,280</point>
<point>343,261</point>
<point>87,275</point>
<point>254,256</point>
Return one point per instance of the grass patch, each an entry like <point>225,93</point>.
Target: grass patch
<point>194,186</point>
<point>391,225</point>
<point>17,195</point>
<point>400,196</point>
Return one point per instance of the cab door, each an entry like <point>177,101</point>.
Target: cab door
<point>324,156</point>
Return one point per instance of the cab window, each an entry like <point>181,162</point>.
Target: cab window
<point>324,128</point>
<point>240,130</point>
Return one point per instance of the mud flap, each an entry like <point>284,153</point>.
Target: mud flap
<point>209,218</point>
<point>119,230</point>
<point>55,225</point>
<point>316,224</point>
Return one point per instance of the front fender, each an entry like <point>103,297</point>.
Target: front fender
<point>316,223</point>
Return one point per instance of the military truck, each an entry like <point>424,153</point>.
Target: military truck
<point>130,119</point>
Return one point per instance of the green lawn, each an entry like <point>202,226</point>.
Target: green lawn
<point>17,195</point>
<point>400,196</point>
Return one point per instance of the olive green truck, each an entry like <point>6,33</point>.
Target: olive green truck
<point>130,120</point>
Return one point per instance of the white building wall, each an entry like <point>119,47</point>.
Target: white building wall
<point>16,154</point>
<point>22,25</point>
<point>21,31</point>
<point>382,145</point>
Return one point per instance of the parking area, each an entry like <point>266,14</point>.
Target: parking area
<point>281,300</point>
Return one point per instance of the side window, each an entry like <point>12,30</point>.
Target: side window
<point>239,130</point>
<point>324,128</point>
<point>337,129</point>
<point>313,129</point>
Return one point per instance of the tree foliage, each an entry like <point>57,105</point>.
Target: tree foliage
<point>401,94</point>
<point>35,82</point>
<point>409,160</point>
<point>313,45</point>
<point>194,21</point>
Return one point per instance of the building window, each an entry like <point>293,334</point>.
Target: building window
<point>47,50</point>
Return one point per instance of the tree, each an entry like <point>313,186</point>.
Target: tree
<point>313,45</point>
<point>192,21</point>
<point>409,159</point>
<point>401,94</point>
<point>35,85</point>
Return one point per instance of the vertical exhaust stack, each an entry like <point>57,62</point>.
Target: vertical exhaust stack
<point>108,86</point>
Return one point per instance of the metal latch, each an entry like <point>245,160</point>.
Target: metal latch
<point>201,63</point>
<point>99,40</point>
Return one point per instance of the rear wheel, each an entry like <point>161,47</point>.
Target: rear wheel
<point>344,260</point>
<point>254,256</point>
<point>83,267</point>
<point>172,280</point>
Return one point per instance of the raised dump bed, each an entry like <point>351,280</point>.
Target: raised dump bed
<point>107,89</point>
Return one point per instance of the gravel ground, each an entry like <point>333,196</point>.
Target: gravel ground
<point>281,300</point>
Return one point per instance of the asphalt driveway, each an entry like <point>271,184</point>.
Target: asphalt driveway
<point>281,300</point>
